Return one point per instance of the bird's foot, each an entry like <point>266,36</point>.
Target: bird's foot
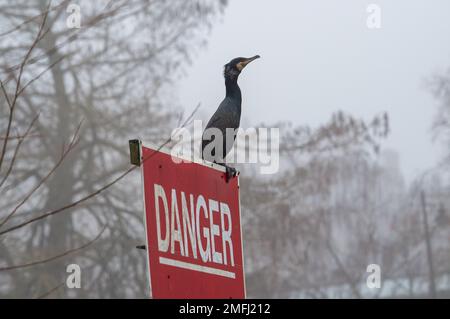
<point>230,172</point>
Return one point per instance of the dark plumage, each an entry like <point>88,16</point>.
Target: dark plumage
<point>228,115</point>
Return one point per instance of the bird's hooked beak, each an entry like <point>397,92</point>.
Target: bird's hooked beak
<point>244,63</point>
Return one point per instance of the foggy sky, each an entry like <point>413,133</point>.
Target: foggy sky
<point>319,56</point>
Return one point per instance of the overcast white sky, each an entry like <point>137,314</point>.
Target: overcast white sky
<point>318,56</point>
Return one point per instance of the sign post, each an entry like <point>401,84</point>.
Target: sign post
<point>193,228</point>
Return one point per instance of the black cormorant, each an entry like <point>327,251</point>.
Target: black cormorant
<point>228,115</point>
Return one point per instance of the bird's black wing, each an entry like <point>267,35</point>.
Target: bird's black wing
<point>226,116</point>
<point>216,121</point>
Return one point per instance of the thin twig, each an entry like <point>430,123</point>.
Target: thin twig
<point>342,268</point>
<point>65,152</point>
<point>16,151</point>
<point>21,137</point>
<point>5,94</point>
<point>44,71</point>
<point>46,260</point>
<point>19,26</point>
<point>48,293</point>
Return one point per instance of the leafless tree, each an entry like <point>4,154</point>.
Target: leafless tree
<point>338,205</point>
<point>440,87</point>
<point>296,218</point>
<point>73,98</point>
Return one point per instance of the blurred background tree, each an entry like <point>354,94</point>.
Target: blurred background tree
<point>114,75</point>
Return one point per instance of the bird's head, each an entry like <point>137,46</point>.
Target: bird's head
<point>233,68</point>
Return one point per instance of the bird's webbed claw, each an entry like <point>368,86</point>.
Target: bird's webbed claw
<point>230,172</point>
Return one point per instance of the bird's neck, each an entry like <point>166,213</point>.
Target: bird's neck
<point>232,89</point>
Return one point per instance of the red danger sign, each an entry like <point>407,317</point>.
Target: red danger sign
<point>193,226</point>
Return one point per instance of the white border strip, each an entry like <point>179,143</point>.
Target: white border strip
<point>149,277</point>
<point>205,269</point>
<point>242,240</point>
<point>166,150</point>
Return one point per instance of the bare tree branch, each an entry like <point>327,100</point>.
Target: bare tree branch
<point>49,259</point>
<point>65,152</point>
<point>16,151</point>
<point>45,12</point>
<point>48,293</point>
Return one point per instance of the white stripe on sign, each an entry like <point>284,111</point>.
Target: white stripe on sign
<point>205,269</point>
